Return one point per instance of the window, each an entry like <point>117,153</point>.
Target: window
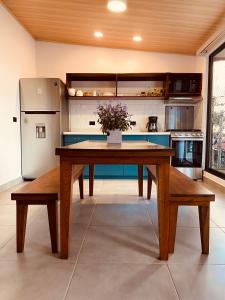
<point>215,149</point>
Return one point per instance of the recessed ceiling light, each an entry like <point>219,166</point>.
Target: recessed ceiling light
<point>98,34</point>
<point>117,5</point>
<point>137,38</point>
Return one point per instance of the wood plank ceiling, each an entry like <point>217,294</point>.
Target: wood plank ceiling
<point>177,26</point>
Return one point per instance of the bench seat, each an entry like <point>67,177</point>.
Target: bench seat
<point>42,191</point>
<point>185,191</point>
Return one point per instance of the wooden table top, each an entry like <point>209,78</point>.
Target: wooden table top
<point>124,147</point>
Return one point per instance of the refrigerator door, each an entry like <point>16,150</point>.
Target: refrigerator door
<point>40,136</point>
<point>40,94</point>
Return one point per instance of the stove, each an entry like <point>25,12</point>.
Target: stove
<point>188,152</point>
<point>187,134</point>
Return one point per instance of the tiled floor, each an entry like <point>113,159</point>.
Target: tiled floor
<point>114,251</point>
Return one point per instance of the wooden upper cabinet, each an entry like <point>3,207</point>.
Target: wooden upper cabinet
<point>151,86</point>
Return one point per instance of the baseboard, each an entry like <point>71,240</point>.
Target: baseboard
<point>207,177</point>
<point>10,184</point>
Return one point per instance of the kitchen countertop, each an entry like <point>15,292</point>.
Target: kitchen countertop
<point>123,133</point>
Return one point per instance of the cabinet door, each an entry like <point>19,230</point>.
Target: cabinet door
<point>104,170</point>
<point>159,139</point>
<point>134,137</point>
<point>99,137</point>
<point>73,139</point>
<point>131,171</point>
<point>109,171</point>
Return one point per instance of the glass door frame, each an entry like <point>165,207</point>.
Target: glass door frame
<point>208,147</point>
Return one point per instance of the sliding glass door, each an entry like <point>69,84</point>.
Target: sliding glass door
<point>215,150</point>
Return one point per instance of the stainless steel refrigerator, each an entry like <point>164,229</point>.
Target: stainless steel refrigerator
<point>44,117</point>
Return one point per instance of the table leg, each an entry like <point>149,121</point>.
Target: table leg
<point>91,179</point>
<point>140,180</point>
<point>163,207</point>
<point>66,185</point>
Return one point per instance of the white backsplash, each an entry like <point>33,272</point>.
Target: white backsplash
<point>83,111</point>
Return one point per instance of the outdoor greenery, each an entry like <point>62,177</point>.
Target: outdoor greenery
<point>112,117</point>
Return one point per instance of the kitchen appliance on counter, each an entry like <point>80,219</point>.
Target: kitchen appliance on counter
<point>152,124</point>
<point>186,141</point>
<point>44,118</point>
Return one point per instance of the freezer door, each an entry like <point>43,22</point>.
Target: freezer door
<point>40,136</point>
<point>37,94</point>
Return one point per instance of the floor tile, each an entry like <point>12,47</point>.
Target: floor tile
<point>187,216</point>
<point>121,187</point>
<point>5,196</point>
<point>37,242</point>
<point>118,199</point>
<point>199,282</point>
<point>188,247</point>
<point>82,213</point>
<point>34,279</point>
<point>218,215</point>
<point>120,215</point>
<point>121,281</point>
<point>111,244</point>
<point>117,256</point>
<point>6,233</point>
<point>7,215</point>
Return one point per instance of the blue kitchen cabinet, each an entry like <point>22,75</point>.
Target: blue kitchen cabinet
<point>106,171</point>
<point>116,171</point>
<point>134,137</point>
<point>99,137</point>
<point>109,171</point>
<point>159,139</point>
<point>73,139</point>
<point>131,171</point>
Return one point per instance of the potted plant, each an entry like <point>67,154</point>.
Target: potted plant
<point>113,120</point>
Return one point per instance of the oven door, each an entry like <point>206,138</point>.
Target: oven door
<point>188,152</point>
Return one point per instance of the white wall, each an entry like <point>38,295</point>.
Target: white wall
<point>54,59</point>
<point>17,59</point>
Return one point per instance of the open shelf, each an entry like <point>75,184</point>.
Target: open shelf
<point>157,86</point>
<point>115,98</point>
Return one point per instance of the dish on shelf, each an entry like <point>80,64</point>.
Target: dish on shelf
<point>108,94</point>
<point>88,94</point>
<point>71,92</point>
<point>79,93</point>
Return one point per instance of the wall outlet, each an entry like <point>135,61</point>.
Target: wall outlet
<point>92,123</point>
<point>15,119</point>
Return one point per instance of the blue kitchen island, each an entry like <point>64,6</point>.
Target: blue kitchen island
<point>117,171</point>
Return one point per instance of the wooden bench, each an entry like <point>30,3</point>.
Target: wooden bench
<point>185,191</point>
<point>42,191</point>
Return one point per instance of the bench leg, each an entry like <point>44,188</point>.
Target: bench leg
<point>91,179</point>
<point>81,186</point>
<point>173,227</point>
<point>21,221</point>
<point>53,225</point>
<point>204,212</point>
<point>149,187</point>
<point>140,180</point>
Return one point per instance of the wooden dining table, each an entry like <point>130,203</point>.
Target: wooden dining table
<point>99,152</point>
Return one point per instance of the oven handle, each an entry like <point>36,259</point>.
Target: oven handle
<point>187,139</point>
